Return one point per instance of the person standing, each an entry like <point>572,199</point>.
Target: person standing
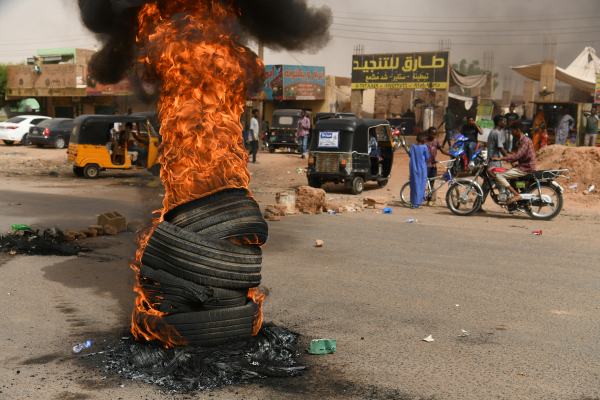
<point>495,148</point>
<point>254,132</point>
<point>564,125</point>
<point>450,121</point>
<point>591,129</point>
<point>303,131</point>
<point>470,130</point>
<point>511,117</point>
<point>265,133</point>
<point>419,154</point>
<point>433,145</point>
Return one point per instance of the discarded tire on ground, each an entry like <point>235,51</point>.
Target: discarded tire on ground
<point>199,264</point>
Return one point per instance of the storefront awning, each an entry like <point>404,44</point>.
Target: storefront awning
<point>580,74</point>
<point>468,100</point>
<point>467,81</point>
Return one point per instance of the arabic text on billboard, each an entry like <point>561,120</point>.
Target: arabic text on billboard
<point>290,82</point>
<point>400,71</point>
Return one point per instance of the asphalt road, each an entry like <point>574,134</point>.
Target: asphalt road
<point>379,286</point>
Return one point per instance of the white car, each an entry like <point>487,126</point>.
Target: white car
<point>17,128</point>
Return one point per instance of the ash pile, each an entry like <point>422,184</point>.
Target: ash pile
<point>270,354</point>
<point>48,242</point>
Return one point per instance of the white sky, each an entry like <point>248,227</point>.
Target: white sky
<point>28,25</point>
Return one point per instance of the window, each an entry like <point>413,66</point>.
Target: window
<point>37,121</point>
<point>47,123</point>
<point>381,133</point>
<point>286,120</point>
<point>143,129</point>
<point>16,120</point>
<point>64,125</point>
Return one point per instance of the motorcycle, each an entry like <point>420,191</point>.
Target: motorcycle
<point>542,196</point>
<point>398,137</point>
<point>459,151</point>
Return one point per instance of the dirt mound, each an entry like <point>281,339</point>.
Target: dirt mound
<point>582,162</point>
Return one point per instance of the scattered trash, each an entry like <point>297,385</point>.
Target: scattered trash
<point>456,305</point>
<point>537,233</point>
<point>428,338</point>
<point>122,386</point>
<point>387,210</point>
<point>153,184</point>
<point>322,346</point>
<point>77,349</point>
<point>125,338</point>
<point>331,212</point>
<point>463,333</point>
<point>521,374</point>
<point>21,227</point>
<point>573,187</point>
<point>319,243</point>
<point>12,252</point>
<point>410,221</point>
<point>517,226</point>
<point>591,188</point>
<point>300,170</point>
<point>15,204</point>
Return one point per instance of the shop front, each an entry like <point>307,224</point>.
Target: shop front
<point>548,115</point>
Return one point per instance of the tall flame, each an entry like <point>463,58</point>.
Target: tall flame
<point>191,47</point>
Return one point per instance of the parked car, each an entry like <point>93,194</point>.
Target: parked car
<point>16,129</point>
<point>54,132</point>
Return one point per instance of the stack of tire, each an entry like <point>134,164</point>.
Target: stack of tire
<point>197,269</point>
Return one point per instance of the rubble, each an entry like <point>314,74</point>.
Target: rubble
<point>276,210</point>
<point>69,235</point>
<point>110,230</point>
<point>333,207</point>
<point>135,225</point>
<point>378,203</point>
<point>319,243</point>
<point>45,243</point>
<point>97,228</point>
<point>310,200</point>
<point>273,217</point>
<point>113,219</point>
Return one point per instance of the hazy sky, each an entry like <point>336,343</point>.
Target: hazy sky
<point>512,29</point>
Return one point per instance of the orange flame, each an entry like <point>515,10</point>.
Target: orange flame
<point>256,296</point>
<point>205,73</point>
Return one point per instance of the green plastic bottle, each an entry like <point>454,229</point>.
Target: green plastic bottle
<point>21,227</point>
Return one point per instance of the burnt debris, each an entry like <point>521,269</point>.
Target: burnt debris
<point>49,242</point>
<point>270,354</point>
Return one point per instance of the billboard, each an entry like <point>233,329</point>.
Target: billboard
<point>400,71</point>
<point>597,96</point>
<point>122,88</point>
<point>292,82</point>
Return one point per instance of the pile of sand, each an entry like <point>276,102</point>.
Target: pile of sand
<point>582,162</point>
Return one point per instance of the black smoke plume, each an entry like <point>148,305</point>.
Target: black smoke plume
<point>278,24</point>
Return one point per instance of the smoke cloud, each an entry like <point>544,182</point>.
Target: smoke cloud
<point>278,24</point>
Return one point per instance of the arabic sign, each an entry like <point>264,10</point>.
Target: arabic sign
<point>597,97</point>
<point>290,82</point>
<point>329,140</point>
<point>400,71</point>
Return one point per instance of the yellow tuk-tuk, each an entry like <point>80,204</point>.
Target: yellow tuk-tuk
<point>93,141</point>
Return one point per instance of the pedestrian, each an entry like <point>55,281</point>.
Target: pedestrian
<point>591,129</point>
<point>471,131</point>
<point>129,111</point>
<point>511,117</point>
<point>265,133</point>
<point>564,125</point>
<point>450,121</point>
<point>419,154</point>
<point>495,148</point>
<point>433,145</point>
<point>409,114</point>
<point>303,131</point>
<point>254,132</point>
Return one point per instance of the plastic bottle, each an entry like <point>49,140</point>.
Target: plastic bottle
<point>410,221</point>
<point>21,227</point>
<point>77,349</point>
<point>591,188</point>
<point>573,187</point>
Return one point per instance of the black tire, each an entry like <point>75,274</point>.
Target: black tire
<point>214,327</point>
<point>383,182</point>
<point>271,149</point>
<point>39,145</point>
<point>9,142</point>
<point>457,204</point>
<point>60,143</point>
<point>228,214</point>
<point>78,171</point>
<point>155,170</point>
<point>557,202</point>
<point>314,182</point>
<point>202,259</point>
<point>91,171</point>
<point>25,141</point>
<point>405,194</point>
<point>358,185</point>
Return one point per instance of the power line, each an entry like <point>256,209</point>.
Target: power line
<point>46,42</point>
<point>469,22</point>
<point>454,19</point>
<point>465,30</point>
<point>454,44</point>
<point>63,39</point>
<point>446,35</point>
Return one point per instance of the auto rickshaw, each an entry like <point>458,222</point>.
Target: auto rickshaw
<point>339,153</point>
<point>284,129</point>
<point>90,146</point>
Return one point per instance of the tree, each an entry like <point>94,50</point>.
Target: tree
<point>472,69</point>
<point>3,83</point>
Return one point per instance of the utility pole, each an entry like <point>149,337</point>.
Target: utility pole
<point>261,103</point>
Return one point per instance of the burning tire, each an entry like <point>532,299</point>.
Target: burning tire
<point>200,268</point>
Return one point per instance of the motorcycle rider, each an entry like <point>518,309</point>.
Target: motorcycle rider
<point>495,147</point>
<point>471,131</point>
<point>525,157</point>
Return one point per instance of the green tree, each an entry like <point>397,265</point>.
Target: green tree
<point>4,82</point>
